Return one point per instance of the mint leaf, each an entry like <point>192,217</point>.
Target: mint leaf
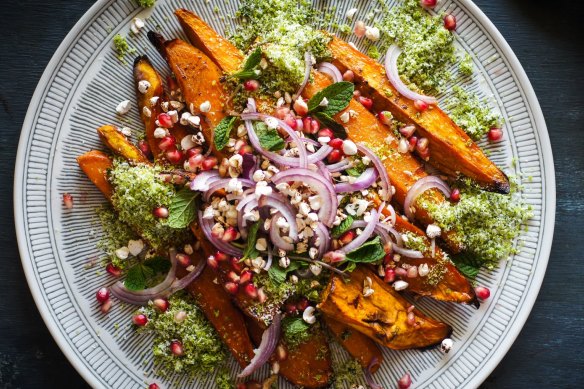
<point>338,130</point>
<point>158,264</point>
<point>253,60</point>
<point>269,137</point>
<point>294,326</point>
<point>468,271</point>
<point>343,227</point>
<point>222,131</point>
<point>371,251</point>
<point>183,209</point>
<point>250,250</point>
<point>357,169</point>
<point>278,274</point>
<point>467,264</point>
<point>338,95</point>
<point>137,277</point>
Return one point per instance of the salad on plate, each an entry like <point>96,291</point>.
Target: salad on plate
<point>290,191</point>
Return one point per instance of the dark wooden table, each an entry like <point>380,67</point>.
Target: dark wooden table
<point>546,36</point>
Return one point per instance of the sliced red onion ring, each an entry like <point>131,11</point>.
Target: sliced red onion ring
<point>324,238</point>
<point>307,68</point>
<point>206,226</point>
<point>385,183</point>
<point>398,238</point>
<point>268,264</point>
<point>280,203</point>
<point>339,166</point>
<point>222,183</point>
<point>251,105</point>
<point>245,205</point>
<point>270,339</point>
<point>203,180</point>
<point>364,181</point>
<point>407,252</point>
<point>324,171</point>
<point>330,70</point>
<point>186,280</point>
<point>420,187</point>
<point>393,76</point>
<point>275,236</point>
<point>248,165</point>
<point>365,235</point>
<point>320,185</point>
<point>392,214</point>
<point>369,375</point>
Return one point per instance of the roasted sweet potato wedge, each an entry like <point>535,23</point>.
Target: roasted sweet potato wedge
<point>451,150</point>
<point>381,316</point>
<point>120,145</point>
<point>359,346</point>
<point>307,365</point>
<point>216,305</point>
<point>95,165</point>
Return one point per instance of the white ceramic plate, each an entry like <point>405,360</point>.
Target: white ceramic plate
<point>79,91</point>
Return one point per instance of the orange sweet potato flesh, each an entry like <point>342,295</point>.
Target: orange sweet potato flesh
<point>359,346</point>
<point>451,150</point>
<point>120,145</point>
<point>212,299</point>
<point>308,365</point>
<point>381,316</point>
<point>144,71</point>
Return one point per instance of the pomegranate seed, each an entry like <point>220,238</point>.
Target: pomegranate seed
<point>160,212</point>
<point>183,259</point>
<point>145,148</point>
<point>325,133</point>
<point>347,237</point>
<point>212,261</point>
<point>428,3</point>
<point>420,105</point>
<point>246,276</point>
<point>102,295</point>
<point>220,256</point>
<point>233,277</point>
<point>405,382</point>
<point>482,292</point>
<point>359,29</point>
<point>348,76</point>
<point>311,126</point>
<point>389,275</point>
<point>282,112</point>
<point>450,22</point>
<point>140,320</point>
<point>106,306</point>
<point>336,143</point>
<point>413,272</point>
<point>401,272</point>
<point>236,265</point>
<point>262,295</point>
<point>366,102</point>
<point>245,149</point>
<point>425,154</point>
<point>153,386</point>
<point>291,308</point>
<point>290,120</point>
<point>413,141</point>
<point>300,107</point>
<point>422,144</point>
<point>251,291</point>
<point>113,270</point>
<point>334,156</point>
<point>161,304</point>
<point>174,156</point>
<point>411,318</point>
<point>165,120</point>
<point>180,316</point>
<point>385,117</point>
<point>455,195</point>
<point>230,234</point>
<point>302,304</point>
<point>407,131</point>
<point>495,134</point>
<point>194,151</point>
<point>209,163</point>
<point>388,258</point>
<point>167,143</point>
<point>251,85</point>
<point>231,287</point>
<point>194,162</point>
<point>67,200</point>
<point>176,348</point>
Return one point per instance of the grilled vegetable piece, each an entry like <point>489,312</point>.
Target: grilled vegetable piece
<point>216,304</point>
<point>198,78</point>
<point>451,149</point>
<point>360,347</point>
<point>95,165</point>
<point>120,145</point>
<point>204,37</point>
<point>144,71</point>
<point>219,310</point>
<point>381,316</point>
<point>308,364</point>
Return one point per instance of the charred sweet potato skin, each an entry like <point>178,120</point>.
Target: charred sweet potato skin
<point>381,316</point>
<point>359,346</point>
<point>120,145</point>
<point>95,164</point>
<point>451,150</point>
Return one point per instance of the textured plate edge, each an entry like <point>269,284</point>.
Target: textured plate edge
<point>541,128</point>
<point>19,172</point>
